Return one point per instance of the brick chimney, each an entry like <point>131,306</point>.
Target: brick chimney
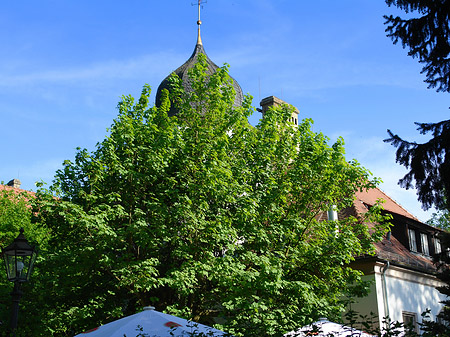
<point>14,183</point>
<point>270,101</point>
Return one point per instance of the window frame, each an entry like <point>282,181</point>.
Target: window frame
<point>412,240</point>
<point>437,246</point>
<point>425,244</point>
<point>410,317</point>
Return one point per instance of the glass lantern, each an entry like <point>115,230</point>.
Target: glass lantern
<point>19,259</point>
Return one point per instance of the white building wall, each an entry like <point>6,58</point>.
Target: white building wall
<point>405,290</point>
<point>412,292</point>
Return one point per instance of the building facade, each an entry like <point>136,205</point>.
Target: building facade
<point>402,273</point>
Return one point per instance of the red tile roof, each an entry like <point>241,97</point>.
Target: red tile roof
<point>391,248</point>
<point>18,190</point>
<point>370,197</point>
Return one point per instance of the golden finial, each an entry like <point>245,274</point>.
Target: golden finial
<point>199,22</point>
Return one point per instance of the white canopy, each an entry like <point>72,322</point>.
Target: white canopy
<point>152,323</point>
<point>326,328</point>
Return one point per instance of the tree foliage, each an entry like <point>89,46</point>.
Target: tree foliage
<point>427,37</point>
<point>429,164</point>
<point>202,216</point>
<point>426,33</point>
<point>440,219</point>
<point>15,213</point>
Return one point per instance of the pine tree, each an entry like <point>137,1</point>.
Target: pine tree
<point>429,164</point>
<point>426,35</point>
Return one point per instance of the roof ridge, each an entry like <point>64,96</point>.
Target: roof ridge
<point>369,196</point>
<point>398,204</point>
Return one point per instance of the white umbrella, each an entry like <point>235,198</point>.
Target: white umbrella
<point>152,323</point>
<point>325,328</point>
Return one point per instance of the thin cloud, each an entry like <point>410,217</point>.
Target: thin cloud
<point>101,71</point>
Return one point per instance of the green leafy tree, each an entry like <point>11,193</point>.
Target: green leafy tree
<point>202,216</point>
<point>15,213</point>
<point>440,219</point>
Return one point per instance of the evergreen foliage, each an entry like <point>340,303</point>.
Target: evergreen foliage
<point>427,37</point>
<point>426,33</point>
<point>429,164</point>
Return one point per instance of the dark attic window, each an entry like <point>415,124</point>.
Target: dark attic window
<point>424,244</point>
<point>419,242</point>
<point>412,240</point>
<point>437,246</point>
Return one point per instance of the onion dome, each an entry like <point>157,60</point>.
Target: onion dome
<point>182,73</point>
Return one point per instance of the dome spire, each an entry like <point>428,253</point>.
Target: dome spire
<point>199,22</point>
<point>182,71</point>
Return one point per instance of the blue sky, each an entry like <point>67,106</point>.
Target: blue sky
<point>65,64</point>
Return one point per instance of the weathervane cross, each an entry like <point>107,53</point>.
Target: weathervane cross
<point>199,4</point>
<point>199,22</point>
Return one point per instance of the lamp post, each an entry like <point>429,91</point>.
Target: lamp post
<point>19,259</point>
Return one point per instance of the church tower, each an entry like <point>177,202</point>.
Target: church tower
<point>273,101</point>
<point>182,72</point>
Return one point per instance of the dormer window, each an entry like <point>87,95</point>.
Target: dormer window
<point>412,240</point>
<point>437,246</point>
<point>424,242</point>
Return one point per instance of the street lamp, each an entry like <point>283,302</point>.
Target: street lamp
<point>19,259</point>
